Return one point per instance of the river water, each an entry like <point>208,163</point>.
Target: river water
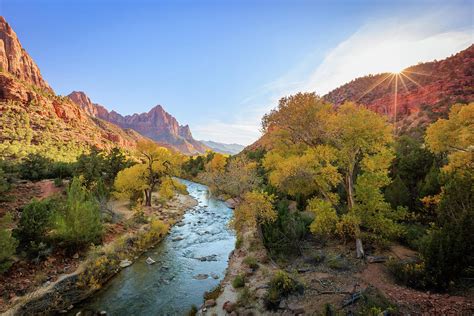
<point>197,247</point>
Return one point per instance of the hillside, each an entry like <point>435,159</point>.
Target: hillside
<point>33,119</point>
<point>156,124</point>
<point>425,91</point>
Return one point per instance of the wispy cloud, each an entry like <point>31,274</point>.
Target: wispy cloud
<point>379,46</point>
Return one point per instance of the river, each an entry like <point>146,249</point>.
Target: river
<point>197,247</point>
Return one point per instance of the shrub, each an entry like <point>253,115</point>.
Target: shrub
<point>245,297</point>
<point>79,222</point>
<point>35,167</point>
<point>214,293</point>
<point>448,250</point>
<point>238,242</point>
<point>58,182</point>
<point>410,273</point>
<point>239,281</point>
<point>251,262</point>
<point>36,220</point>
<point>281,285</point>
<point>8,244</point>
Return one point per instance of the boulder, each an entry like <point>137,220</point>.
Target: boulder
<point>210,303</point>
<point>125,263</point>
<point>229,307</point>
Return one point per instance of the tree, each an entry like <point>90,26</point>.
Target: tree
<point>255,209</point>
<point>158,164</point>
<point>306,172</point>
<point>317,146</point>
<point>397,193</point>
<point>115,161</point>
<point>455,136</point>
<point>79,222</point>
<point>448,249</point>
<point>91,166</point>
<point>8,244</point>
<point>359,134</point>
<point>130,183</point>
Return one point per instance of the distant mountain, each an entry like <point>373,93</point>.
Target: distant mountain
<point>156,124</point>
<point>228,149</point>
<point>33,119</point>
<point>425,92</point>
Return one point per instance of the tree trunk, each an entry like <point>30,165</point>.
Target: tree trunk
<point>350,191</point>
<point>148,197</point>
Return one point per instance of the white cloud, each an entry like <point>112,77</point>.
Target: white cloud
<point>386,46</point>
<point>381,46</point>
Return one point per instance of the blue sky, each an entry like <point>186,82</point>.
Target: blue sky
<point>219,65</point>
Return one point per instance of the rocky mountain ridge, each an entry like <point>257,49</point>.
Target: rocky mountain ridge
<point>156,124</point>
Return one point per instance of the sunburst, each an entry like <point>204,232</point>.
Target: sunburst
<point>394,78</point>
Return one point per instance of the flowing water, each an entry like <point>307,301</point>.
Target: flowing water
<point>191,260</point>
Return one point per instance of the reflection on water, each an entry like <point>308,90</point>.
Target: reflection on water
<point>191,260</point>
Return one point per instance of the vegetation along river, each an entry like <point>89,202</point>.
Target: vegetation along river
<point>190,261</point>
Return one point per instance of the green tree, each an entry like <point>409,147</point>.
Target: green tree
<point>79,222</point>
<point>91,166</point>
<point>448,250</point>
<point>397,193</point>
<point>36,220</point>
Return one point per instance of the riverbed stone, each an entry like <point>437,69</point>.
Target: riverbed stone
<point>201,276</point>
<point>125,263</point>
<point>229,307</point>
<point>210,303</point>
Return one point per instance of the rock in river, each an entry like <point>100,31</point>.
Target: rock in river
<point>125,263</point>
<point>201,276</point>
<point>150,260</point>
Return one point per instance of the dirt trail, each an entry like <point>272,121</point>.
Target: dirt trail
<point>411,300</point>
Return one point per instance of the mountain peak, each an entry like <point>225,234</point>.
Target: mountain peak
<point>15,60</point>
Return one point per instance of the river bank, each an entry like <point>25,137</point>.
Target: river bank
<point>125,240</point>
<point>190,261</point>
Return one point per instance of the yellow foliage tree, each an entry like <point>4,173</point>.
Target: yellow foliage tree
<point>255,209</point>
<point>158,164</point>
<point>455,136</point>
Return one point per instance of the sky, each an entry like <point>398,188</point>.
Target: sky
<point>220,65</point>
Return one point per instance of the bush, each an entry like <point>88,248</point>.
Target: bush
<point>35,167</point>
<point>448,249</point>
<point>214,293</point>
<point>410,273</point>
<point>8,244</point>
<point>36,220</point>
<point>281,285</point>
<point>239,281</point>
<point>251,262</point>
<point>283,236</point>
<point>238,242</point>
<point>79,222</point>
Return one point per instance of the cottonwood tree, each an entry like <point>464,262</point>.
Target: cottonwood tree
<point>455,136</point>
<point>158,164</point>
<point>318,146</point>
